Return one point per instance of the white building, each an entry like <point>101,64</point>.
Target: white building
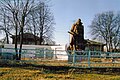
<point>40,51</point>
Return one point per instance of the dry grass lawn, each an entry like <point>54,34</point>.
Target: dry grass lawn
<point>44,71</point>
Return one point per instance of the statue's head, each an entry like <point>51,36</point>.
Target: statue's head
<point>79,21</point>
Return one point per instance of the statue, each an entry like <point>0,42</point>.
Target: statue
<point>77,41</point>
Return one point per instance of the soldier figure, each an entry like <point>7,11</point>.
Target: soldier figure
<point>77,36</point>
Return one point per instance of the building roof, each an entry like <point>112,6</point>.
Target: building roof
<point>27,35</point>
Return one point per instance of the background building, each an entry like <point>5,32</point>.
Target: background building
<point>28,38</point>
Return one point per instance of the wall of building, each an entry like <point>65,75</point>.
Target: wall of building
<point>59,52</point>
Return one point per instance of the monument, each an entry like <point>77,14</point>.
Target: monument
<point>77,41</point>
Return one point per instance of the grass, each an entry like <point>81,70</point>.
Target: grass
<point>45,74</point>
<point>44,71</point>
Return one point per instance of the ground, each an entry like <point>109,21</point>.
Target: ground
<point>44,71</point>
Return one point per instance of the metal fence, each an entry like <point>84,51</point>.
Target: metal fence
<point>94,59</point>
<point>83,59</point>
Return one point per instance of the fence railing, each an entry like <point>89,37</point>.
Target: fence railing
<point>94,59</point>
<point>83,59</point>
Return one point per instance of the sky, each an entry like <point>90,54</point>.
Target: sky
<point>67,12</point>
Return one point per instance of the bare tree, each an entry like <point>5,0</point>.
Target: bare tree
<point>41,23</point>
<point>18,11</point>
<point>18,15</point>
<point>107,25</point>
<point>116,33</point>
<point>46,22</point>
<point>4,26</point>
<point>32,25</point>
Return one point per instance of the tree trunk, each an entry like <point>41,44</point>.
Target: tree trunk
<point>16,50</point>
<point>35,40</point>
<point>16,36</point>
<point>41,35</point>
<point>107,47</point>
<point>7,38</point>
<point>40,41</point>
<point>21,42</point>
<point>21,36</point>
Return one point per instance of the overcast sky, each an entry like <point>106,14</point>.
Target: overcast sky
<point>66,12</point>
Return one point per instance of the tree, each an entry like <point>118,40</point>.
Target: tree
<point>4,26</point>
<point>20,14</point>
<point>41,23</point>
<point>45,22</point>
<point>107,25</point>
<point>32,25</point>
<point>18,11</point>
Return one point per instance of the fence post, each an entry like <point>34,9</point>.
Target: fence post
<point>44,51</point>
<point>73,57</point>
<point>54,54</point>
<point>0,53</point>
<point>89,59</point>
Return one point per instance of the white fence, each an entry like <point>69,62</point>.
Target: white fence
<point>78,58</point>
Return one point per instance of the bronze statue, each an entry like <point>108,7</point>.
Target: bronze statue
<point>77,41</point>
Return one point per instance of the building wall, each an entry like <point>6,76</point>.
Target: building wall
<point>59,52</point>
<point>95,47</point>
